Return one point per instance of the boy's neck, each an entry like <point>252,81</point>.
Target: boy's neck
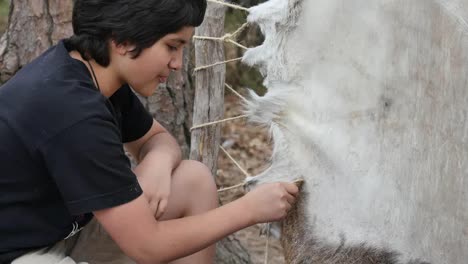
<point>108,79</point>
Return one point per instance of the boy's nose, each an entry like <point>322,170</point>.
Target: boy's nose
<point>176,62</point>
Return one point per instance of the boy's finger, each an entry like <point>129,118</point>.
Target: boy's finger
<point>153,206</point>
<point>291,188</point>
<point>161,208</point>
<point>156,211</point>
<point>290,198</point>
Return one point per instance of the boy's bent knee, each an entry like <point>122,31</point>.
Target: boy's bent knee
<point>196,174</point>
<point>196,166</point>
<point>199,187</point>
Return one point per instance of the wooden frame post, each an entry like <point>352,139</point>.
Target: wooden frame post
<point>209,88</point>
<point>208,107</point>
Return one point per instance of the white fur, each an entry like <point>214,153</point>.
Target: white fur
<point>368,101</point>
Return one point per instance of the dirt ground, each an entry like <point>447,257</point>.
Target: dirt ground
<point>249,145</point>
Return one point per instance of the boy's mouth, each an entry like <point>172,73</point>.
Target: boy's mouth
<point>162,79</point>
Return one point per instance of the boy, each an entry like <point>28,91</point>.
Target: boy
<point>64,120</point>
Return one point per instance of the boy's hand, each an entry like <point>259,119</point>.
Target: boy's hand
<point>270,202</point>
<point>156,185</point>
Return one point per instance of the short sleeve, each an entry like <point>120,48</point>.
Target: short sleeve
<point>136,121</point>
<point>89,166</point>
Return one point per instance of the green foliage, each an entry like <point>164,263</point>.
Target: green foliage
<point>240,75</point>
<point>234,19</point>
<point>4,10</point>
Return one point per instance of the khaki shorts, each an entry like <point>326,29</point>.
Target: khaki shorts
<point>91,246</point>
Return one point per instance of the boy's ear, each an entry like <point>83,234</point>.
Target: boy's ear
<point>122,48</point>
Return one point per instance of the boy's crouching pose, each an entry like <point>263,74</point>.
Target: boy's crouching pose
<point>64,120</point>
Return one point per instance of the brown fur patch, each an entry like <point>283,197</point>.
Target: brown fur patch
<point>300,246</point>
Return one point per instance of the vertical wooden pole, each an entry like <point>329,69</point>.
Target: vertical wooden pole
<point>209,88</point>
<point>209,106</point>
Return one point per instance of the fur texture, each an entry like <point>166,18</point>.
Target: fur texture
<point>302,248</point>
<point>367,101</point>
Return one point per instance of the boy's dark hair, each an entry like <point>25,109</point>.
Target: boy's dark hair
<point>138,22</point>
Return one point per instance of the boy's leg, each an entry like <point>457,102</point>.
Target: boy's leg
<point>95,246</point>
<point>53,255</point>
<point>193,191</point>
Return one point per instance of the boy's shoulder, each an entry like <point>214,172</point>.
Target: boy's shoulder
<point>54,73</point>
<point>53,61</point>
<point>50,94</point>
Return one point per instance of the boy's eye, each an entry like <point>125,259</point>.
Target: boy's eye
<point>172,48</point>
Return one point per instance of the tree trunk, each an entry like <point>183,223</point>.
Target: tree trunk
<point>209,89</point>
<point>209,106</point>
<point>35,25</point>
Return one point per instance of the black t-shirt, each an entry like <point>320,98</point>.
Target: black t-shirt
<point>61,151</point>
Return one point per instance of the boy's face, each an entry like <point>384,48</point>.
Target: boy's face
<point>154,64</point>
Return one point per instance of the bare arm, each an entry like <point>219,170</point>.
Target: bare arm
<point>135,230</point>
<point>146,240</point>
<point>158,154</point>
<point>160,143</point>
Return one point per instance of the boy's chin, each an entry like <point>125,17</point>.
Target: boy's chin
<point>147,91</point>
